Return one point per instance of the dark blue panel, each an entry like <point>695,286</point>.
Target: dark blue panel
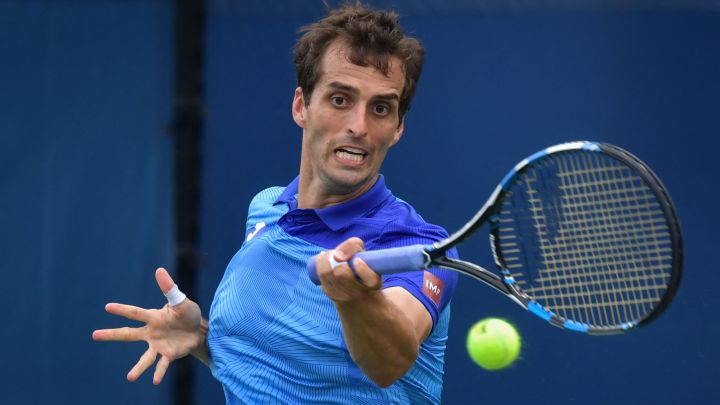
<point>85,191</point>
<point>307,10</point>
<point>250,139</point>
<point>512,84</point>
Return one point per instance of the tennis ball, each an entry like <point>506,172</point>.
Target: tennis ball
<point>493,343</point>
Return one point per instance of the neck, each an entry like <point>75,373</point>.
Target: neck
<point>314,193</point>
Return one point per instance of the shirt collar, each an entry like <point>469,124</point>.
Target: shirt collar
<point>288,196</point>
<point>339,215</point>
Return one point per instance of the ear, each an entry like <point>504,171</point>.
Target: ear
<point>298,108</point>
<point>398,132</point>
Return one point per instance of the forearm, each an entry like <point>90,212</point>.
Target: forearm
<point>201,351</point>
<point>381,339</point>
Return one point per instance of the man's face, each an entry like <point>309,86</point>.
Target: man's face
<point>349,125</point>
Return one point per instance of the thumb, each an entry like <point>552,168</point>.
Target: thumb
<point>165,282</point>
<point>348,248</point>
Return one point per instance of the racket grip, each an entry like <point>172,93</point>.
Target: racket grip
<point>384,261</point>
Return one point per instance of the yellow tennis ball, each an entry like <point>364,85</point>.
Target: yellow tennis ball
<point>493,343</point>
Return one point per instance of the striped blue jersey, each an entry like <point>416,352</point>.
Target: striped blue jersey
<point>275,337</point>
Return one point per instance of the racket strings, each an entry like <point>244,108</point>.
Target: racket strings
<point>620,196</point>
<point>579,202</point>
<point>584,236</point>
<point>633,292</point>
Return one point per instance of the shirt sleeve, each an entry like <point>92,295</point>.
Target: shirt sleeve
<point>433,287</point>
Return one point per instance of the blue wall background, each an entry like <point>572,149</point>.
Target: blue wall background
<point>85,190</point>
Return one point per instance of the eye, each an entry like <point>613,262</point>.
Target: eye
<point>382,109</point>
<point>338,101</point>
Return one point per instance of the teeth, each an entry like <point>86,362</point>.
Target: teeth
<point>356,151</point>
<point>349,156</point>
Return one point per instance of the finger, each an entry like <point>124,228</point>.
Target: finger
<point>348,248</point>
<point>344,275</point>
<point>128,311</point>
<point>326,260</point>
<point>366,275</point>
<point>331,271</point>
<point>327,274</point>
<point>160,370</point>
<point>165,282</point>
<point>331,259</point>
<point>146,360</point>
<point>323,266</point>
<point>337,259</point>
<point>118,335</point>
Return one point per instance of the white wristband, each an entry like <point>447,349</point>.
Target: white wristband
<point>175,296</point>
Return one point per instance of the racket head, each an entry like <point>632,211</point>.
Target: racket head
<point>587,237</point>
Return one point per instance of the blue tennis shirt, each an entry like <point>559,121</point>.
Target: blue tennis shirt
<point>275,337</point>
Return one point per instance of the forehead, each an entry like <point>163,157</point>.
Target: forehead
<point>336,67</point>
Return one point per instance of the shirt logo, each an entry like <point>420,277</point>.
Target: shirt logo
<point>432,287</point>
<point>258,227</point>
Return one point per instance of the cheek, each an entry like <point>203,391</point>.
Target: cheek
<point>319,135</point>
<point>389,137</point>
<point>323,122</point>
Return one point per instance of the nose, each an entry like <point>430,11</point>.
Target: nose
<point>358,122</point>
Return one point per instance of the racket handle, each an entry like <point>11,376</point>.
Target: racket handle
<point>384,261</point>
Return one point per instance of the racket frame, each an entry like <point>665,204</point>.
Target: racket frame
<point>506,284</point>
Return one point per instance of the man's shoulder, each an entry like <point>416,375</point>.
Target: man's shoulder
<point>263,208</point>
<point>400,211</point>
<point>402,221</point>
<point>266,197</point>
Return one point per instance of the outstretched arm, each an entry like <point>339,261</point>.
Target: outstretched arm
<point>383,329</point>
<point>172,332</point>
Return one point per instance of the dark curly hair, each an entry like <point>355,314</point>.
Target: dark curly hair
<point>372,36</point>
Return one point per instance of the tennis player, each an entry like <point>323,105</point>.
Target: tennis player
<point>275,337</point>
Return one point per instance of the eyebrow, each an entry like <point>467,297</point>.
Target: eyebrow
<point>350,89</point>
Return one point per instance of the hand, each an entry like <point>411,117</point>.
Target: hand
<point>171,332</point>
<point>340,283</point>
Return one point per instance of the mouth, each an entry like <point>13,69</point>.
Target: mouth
<point>349,154</point>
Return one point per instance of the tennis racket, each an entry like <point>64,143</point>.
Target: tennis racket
<point>584,235</point>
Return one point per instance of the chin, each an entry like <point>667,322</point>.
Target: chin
<point>347,184</point>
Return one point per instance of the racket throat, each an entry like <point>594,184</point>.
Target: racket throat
<point>475,271</point>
